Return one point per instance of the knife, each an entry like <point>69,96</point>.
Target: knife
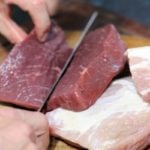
<point>69,60</point>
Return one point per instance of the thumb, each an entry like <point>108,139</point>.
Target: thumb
<point>10,29</point>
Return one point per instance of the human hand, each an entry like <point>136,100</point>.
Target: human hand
<point>23,130</point>
<point>39,10</point>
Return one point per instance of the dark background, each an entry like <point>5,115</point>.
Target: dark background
<point>138,10</point>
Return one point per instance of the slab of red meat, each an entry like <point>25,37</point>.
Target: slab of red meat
<point>99,58</point>
<point>31,68</point>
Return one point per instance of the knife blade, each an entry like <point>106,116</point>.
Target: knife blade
<point>69,60</point>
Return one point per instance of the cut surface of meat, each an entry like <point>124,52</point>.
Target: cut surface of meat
<point>31,67</point>
<point>117,121</point>
<point>99,58</point>
<point>139,63</point>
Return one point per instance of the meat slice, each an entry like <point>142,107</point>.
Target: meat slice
<point>139,62</point>
<point>99,58</point>
<point>117,121</point>
<point>31,68</point>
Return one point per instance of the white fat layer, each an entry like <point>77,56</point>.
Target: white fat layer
<point>142,52</point>
<point>124,100</point>
<point>143,64</point>
<point>119,100</point>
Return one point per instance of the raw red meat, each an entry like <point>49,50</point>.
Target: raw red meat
<point>99,58</point>
<point>31,68</point>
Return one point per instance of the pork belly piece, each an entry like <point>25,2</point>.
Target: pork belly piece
<point>139,63</point>
<point>99,58</point>
<point>119,120</point>
<point>31,67</point>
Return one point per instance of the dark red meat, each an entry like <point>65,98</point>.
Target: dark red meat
<point>31,68</point>
<point>99,58</point>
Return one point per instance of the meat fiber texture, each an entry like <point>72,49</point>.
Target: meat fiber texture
<point>139,63</point>
<point>98,60</point>
<point>31,67</point>
<point>117,121</point>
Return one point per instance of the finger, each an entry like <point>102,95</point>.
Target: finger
<point>8,28</point>
<point>43,141</point>
<point>52,6</point>
<point>22,138</point>
<point>41,20</point>
<point>10,125</point>
<point>40,125</point>
<point>12,31</point>
<point>37,120</point>
<point>39,14</point>
<point>32,126</point>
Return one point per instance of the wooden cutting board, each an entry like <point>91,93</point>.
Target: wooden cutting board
<point>72,16</point>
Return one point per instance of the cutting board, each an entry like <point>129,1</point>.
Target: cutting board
<point>72,16</point>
